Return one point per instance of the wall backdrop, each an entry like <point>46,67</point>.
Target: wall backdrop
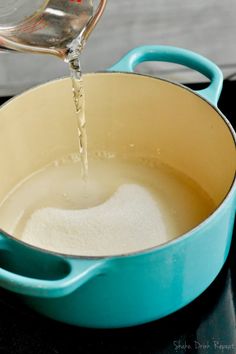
<point>208,27</point>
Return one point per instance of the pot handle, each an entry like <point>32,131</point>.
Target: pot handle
<point>179,56</point>
<point>79,272</point>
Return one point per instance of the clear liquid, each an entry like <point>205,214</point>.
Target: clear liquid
<point>53,28</point>
<point>58,27</point>
<point>127,206</point>
<point>79,101</point>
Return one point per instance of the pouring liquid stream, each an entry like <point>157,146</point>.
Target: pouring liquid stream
<point>79,101</point>
<point>55,27</point>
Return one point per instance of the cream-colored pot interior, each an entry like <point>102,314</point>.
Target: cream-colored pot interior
<point>161,119</point>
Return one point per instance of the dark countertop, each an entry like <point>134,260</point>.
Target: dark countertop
<point>207,325</point>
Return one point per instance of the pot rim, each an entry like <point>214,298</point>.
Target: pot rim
<point>173,242</point>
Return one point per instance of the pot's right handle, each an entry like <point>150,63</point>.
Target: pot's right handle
<point>179,56</point>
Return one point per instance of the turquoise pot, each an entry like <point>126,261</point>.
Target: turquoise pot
<point>128,290</point>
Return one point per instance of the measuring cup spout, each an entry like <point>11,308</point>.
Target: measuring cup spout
<point>57,27</point>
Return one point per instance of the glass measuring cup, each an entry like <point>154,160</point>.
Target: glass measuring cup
<point>57,27</point>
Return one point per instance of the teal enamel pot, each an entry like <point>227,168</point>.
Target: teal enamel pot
<point>190,134</point>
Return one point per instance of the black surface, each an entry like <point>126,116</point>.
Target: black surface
<point>206,326</point>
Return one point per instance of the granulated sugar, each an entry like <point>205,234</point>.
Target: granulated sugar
<point>119,225</point>
<point>124,206</point>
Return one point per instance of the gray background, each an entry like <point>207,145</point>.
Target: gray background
<point>205,26</point>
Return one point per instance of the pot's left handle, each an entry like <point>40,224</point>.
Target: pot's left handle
<point>179,56</point>
<point>79,272</point>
